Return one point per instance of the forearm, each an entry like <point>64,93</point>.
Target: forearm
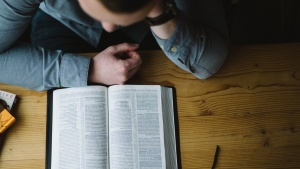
<point>165,30</point>
<point>39,69</point>
<point>34,67</point>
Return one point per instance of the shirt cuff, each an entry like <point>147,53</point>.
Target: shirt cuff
<point>185,46</point>
<point>195,48</point>
<point>74,70</point>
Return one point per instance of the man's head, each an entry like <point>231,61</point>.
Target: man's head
<point>124,6</point>
<point>112,13</point>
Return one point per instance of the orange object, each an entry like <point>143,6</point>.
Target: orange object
<point>6,119</point>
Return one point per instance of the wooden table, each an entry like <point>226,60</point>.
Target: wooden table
<point>250,108</point>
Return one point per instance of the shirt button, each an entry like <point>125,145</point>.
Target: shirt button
<point>174,49</point>
<point>162,47</point>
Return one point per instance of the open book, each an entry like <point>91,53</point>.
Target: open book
<point>121,126</point>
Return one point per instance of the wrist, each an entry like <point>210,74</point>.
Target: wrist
<point>157,10</point>
<point>90,72</point>
<point>161,14</point>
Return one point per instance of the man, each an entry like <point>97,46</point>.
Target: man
<point>193,35</point>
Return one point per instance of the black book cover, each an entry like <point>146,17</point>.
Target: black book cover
<point>49,128</point>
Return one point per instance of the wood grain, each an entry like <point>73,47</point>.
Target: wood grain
<point>250,108</point>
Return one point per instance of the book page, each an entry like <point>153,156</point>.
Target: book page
<point>136,137</point>
<point>169,128</point>
<point>7,99</point>
<point>79,132</point>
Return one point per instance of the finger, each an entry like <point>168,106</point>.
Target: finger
<point>122,78</point>
<point>124,47</point>
<point>123,56</point>
<point>133,61</point>
<point>127,55</point>
<point>133,71</point>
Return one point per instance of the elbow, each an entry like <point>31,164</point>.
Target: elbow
<point>214,54</point>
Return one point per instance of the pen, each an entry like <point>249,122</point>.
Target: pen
<point>216,157</point>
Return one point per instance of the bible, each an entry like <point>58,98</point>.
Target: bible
<point>120,126</point>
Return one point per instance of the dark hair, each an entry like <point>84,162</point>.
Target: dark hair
<point>124,6</point>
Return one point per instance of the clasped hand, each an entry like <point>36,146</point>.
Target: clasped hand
<point>115,65</point>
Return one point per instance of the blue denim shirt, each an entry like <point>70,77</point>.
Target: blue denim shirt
<point>198,45</point>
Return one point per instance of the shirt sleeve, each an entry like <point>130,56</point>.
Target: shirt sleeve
<point>39,69</point>
<point>195,48</point>
<point>29,66</point>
